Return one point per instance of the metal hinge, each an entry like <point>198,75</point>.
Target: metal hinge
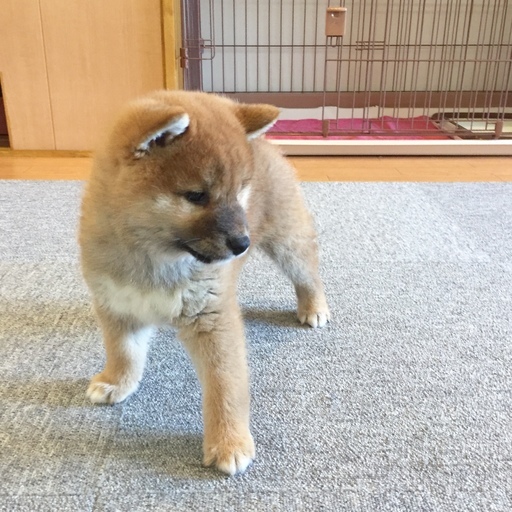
<point>184,58</point>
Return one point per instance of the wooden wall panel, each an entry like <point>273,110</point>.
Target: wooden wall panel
<point>24,77</point>
<point>99,55</point>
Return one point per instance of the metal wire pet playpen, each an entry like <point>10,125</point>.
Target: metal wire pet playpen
<point>353,70</point>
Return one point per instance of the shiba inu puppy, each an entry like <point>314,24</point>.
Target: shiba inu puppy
<point>183,189</point>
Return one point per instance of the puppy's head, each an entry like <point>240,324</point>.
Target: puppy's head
<point>176,173</point>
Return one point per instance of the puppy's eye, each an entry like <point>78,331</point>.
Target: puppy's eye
<point>199,198</point>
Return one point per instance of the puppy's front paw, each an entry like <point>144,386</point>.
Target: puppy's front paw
<point>101,391</point>
<point>230,456</point>
<point>314,318</point>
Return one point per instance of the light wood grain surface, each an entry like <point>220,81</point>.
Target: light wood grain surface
<point>99,55</point>
<point>67,65</point>
<point>23,75</point>
<point>404,168</point>
<point>31,166</point>
<point>171,26</point>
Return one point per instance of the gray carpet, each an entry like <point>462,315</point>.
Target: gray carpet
<point>403,402</point>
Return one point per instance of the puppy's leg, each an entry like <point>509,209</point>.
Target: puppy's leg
<point>293,246</point>
<point>220,359</point>
<point>126,348</point>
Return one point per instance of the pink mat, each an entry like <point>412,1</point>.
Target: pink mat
<point>384,128</point>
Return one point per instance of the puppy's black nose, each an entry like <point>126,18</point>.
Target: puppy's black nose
<point>238,244</point>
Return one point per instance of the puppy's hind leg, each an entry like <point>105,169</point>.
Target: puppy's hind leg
<point>294,248</point>
<point>126,347</point>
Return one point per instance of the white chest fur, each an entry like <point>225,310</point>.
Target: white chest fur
<point>157,306</point>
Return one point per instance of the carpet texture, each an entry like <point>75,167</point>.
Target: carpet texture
<point>403,402</point>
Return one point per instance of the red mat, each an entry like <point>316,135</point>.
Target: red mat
<point>382,128</point>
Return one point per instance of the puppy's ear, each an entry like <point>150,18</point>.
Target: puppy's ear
<point>145,124</point>
<point>256,119</point>
<point>162,135</point>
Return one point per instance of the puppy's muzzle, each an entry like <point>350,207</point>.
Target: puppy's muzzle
<point>238,244</point>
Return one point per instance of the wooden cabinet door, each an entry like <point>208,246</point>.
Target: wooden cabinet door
<point>24,76</point>
<point>99,54</point>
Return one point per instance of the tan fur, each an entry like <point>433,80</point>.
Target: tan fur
<point>181,181</point>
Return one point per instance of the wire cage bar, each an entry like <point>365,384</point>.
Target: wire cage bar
<point>390,68</point>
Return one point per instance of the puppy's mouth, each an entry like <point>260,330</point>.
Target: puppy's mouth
<point>203,258</point>
<point>235,246</point>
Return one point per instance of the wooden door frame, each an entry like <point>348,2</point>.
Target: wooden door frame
<point>171,43</point>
